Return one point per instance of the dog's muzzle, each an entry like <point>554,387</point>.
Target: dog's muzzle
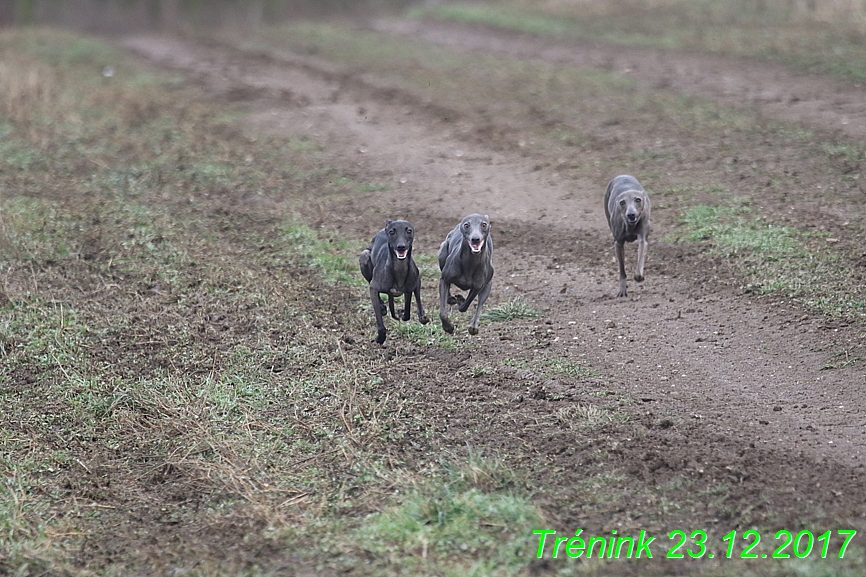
<point>401,252</point>
<point>476,244</point>
<point>631,218</point>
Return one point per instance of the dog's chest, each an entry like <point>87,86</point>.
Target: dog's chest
<point>402,281</point>
<point>472,277</point>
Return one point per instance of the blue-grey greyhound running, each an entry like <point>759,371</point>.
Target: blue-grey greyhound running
<point>466,260</point>
<point>388,266</point>
<point>627,207</point>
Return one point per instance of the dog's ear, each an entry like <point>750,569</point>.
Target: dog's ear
<point>388,222</point>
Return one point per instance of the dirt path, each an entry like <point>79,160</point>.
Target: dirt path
<point>716,377</point>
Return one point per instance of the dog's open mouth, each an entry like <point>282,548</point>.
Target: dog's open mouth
<point>476,245</point>
<point>401,254</point>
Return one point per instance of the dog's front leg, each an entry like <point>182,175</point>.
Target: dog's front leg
<point>641,257</point>
<point>422,318</point>
<point>378,308</point>
<point>620,258</point>
<point>444,289</point>
<point>482,297</point>
<point>407,297</point>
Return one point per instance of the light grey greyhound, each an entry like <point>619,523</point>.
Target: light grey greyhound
<point>388,266</point>
<point>627,207</point>
<point>466,261</point>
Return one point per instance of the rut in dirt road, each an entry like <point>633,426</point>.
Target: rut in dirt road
<point>724,369</point>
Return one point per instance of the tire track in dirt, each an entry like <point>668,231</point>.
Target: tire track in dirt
<point>722,369</point>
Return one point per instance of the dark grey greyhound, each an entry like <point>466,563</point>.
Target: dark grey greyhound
<point>627,207</point>
<point>466,260</point>
<point>388,266</point>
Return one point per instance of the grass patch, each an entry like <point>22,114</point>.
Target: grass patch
<point>562,366</point>
<point>583,416</point>
<point>842,359</point>
<point>556,367</point>
<point>430,334</point>
<point>334,257</point>
<point>470,520</point>
<point>827,38</point>
<point>501,15</point>
<point>778,259</point>
<point>516,308</point>
<point>734,230</point>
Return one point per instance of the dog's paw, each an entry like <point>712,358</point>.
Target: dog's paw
<point>638,277</point>
<point>423,319</point>
<point>473,330</point>
<point>447,326</point>
<point>380,338</point>
<point>406,316</point>
<point>622,294</point>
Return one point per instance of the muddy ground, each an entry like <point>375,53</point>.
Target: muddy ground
<point>725,418</point>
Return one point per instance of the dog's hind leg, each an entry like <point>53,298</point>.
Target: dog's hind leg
<point>482,298</point>
<point>620,258</point>
<point>365,260</point>
<point>391,307</point>
<point>444,293</point>
<point>641,258</point>
<point>464,304</point>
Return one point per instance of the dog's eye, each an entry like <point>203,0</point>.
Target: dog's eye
<point>484,225</point>
<point>637,201</point>
<point>408,231</point>
<point>392,232</point>
<point>466,225</point>
<point>622,203</point>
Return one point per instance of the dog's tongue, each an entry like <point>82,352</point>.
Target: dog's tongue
<point>476,247</point>
<point>401,254</point>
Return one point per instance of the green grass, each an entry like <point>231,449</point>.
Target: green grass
<point>736,232</point>
<point>334,257</point>
<point>778,259</point>
<point>828,41</point>
<point>553,367</point>
<point>430,334</point>
<point>515,308</point>
<point>511,17</point>
<point>24,543</point>
<point>470,520</point>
